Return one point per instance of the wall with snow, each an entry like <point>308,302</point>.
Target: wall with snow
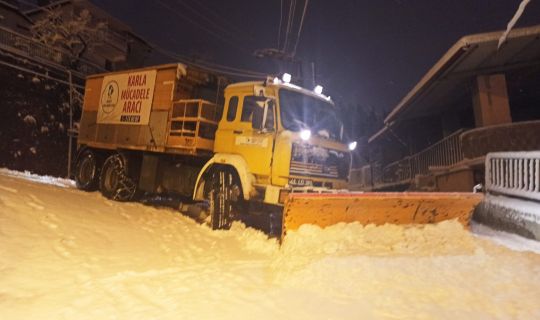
<point>510,214</point>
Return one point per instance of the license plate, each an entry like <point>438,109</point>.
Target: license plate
<point>295,182</point>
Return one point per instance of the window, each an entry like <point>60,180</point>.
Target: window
<point>231,111</point>
<point>248,108</point>
<point>299,111</point>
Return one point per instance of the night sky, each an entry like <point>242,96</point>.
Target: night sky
<point>370,53</point>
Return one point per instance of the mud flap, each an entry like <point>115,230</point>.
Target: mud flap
<point>324,209</point>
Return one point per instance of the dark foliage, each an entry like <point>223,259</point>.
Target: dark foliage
<point>34,123</point>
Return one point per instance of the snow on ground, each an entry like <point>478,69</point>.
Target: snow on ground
<point>506,239</point>
<point>67,254</point>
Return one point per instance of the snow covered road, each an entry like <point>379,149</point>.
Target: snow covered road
<point>67,254</point>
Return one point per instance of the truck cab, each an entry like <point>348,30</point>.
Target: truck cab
<point>279,138</point>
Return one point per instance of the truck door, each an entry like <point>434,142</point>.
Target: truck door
<point>254,135</point>
<point>224,136</point>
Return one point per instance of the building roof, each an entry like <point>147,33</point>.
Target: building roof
<point>470,56</point>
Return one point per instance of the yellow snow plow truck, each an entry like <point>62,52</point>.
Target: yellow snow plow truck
<point>269,153</point>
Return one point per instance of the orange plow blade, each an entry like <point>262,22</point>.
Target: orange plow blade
<point>325,209</point>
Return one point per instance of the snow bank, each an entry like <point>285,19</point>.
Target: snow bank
<point>60,182</point>
<point>66,254</point>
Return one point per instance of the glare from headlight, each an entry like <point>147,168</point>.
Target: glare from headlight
<point>305,134</point>
<point>352,145</point>
<point>286,77</point>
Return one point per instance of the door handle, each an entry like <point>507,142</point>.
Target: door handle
<point>238,131</point>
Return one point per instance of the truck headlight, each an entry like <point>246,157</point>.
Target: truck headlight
<point>352,145</point>
<point>305,134</point>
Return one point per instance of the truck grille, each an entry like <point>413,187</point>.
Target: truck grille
<point>308,160</point>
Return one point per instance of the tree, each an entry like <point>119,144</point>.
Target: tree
<point>76,33</point>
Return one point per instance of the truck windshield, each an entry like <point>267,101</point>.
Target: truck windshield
<point>300,111</point>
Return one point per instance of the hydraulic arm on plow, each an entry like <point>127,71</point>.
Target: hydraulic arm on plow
<point>151,131</point>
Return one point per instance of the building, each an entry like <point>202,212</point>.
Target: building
<point>41,84</point>
<point>121,48</point>
<point>476,99</point>
<point>12,18</point>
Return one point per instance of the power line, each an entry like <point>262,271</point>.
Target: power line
<point>217,16</point>
<point>201,62</point>
<point>280,22</point>
<point>306,2</point>
<point>195,23</point>
<point>290,21</point>
<point>225,70</point>
<point>221,28</point>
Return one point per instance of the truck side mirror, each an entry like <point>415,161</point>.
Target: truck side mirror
<point>257,118</point>
<point>263,116</point>
<point>269,123</point>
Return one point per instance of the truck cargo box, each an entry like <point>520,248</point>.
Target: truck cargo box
<point>157,109</point>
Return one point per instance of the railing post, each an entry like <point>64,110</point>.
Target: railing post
<point>502,179</point>
<point>537,175</point>
<point>493,171</point>
<point>530,172</point>
<point>519,173</point>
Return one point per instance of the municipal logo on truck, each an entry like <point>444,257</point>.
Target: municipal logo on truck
<point>109,97</point>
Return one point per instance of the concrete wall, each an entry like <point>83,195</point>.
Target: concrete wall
<point>461,180</point>
<point>519,136</point>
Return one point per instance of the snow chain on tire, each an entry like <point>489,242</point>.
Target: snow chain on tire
<point>224,198</point>
<point>121,187</point>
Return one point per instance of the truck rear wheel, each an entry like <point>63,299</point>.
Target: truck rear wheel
<point>115,182</point>
<point>87,171</point>
<point>223,192</point>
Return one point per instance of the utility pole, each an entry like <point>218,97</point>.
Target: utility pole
<point>285,60</point>
<point>70,131</point>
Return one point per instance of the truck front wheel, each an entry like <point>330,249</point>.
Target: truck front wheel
<point>223,192</point>
<point>115,182</point>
